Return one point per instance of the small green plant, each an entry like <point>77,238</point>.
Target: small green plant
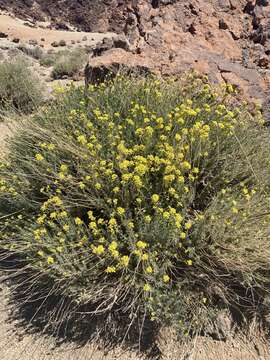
<point>48,60</point>
<point>51,57</point>
<point>20,88</point>
<point>69,63</point>
<point>149,198</point>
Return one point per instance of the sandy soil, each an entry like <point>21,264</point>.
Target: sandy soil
<point>15,345</point>
<point>15,28</point>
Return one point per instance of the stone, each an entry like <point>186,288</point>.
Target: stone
<point>111,63</point>
<point>121,42</point>
<point>262,2</point>
<point>264,62</point>
<point>62,43</point>
<point>3,35</point>
<point>33,42</point>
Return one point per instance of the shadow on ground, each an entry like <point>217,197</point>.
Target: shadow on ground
<point>37,309</point>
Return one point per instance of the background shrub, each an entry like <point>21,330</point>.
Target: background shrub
<point>68,63</point>
<point>20,89</point>
<point>150,198</point>
<point>35,52</point>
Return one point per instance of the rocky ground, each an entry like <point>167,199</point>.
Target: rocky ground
<point>18,38</point>
<point>227,39</point>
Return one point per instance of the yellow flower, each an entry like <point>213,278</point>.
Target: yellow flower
<point>124,261</point>
<point>78,221</point>
<point>145,257</point>
<point>66,227</point>
<point>98,250</point>
<point>56,200</point>
<point>183,235</point>
<point>62,176</point>
<point>64,168</point>
<point>189,262</point>
<point>50,260</point>
<point>53,215</point>
<point>186,165</point>
<point>82,185</point>
<point>166,215</point>
<point>51,147</point>
<point>130,225</point>
<point>155,198</point>
<point>110,269</point>
<point>39,157</point>
<point>147,219</point>
<point>92,225</point>
<point>188,225</point>
<point>120,211</point>
<point>112,222</point>
<point>147,287</point>
<point>115,253</point>
<point>235,210</point>
<point>181,179</point>
<point>166,278</point>
<point>141,169</point>
<point>137,181</point>
<point>149,269</point>
<point>82,139</point>
<point>141,244</point>
<point>41,219</point>
<point>40,253</point>
<point>113,246</point>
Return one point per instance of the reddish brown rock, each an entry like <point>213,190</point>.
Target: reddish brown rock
<point>227,39</point>
<point>112,62</point>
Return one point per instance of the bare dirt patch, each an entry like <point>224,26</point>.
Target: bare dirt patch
<point>16,29</point>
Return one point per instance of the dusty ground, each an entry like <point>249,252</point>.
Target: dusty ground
<point>14,345</point>
<point>16,28</point>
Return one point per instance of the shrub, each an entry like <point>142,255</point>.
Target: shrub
<point>68,63</point>
<point>62,43</point>
<point>48,60</point>
<point>19,87</point>
<point>35,52</point>
<point>149,198</point>
<point>51,57</point>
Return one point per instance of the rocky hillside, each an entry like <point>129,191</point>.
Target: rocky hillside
<point>227,39</point>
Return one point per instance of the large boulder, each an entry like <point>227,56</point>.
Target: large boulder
<point>113,61</point>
